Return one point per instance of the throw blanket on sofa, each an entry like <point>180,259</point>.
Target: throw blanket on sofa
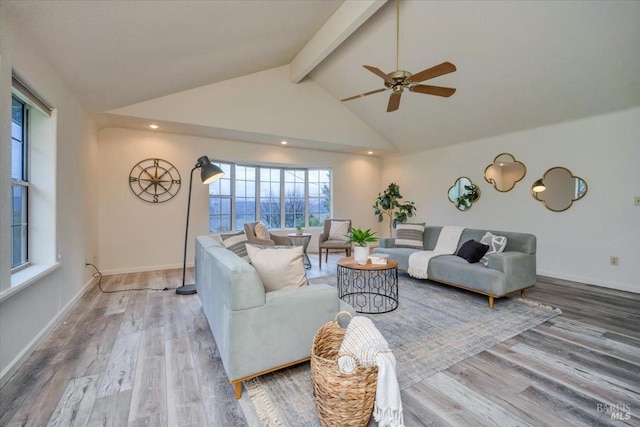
<point>363,340</point>
<point>446,245</point>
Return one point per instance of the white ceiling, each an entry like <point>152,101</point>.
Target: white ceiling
<point>521,64</point>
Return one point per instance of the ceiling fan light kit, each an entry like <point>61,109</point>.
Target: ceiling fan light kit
<point>400,80</point>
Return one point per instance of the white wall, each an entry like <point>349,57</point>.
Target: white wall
<point>264,103</point>
<point>28,315</point>
<point>138,236</point>
<point>575,244</point>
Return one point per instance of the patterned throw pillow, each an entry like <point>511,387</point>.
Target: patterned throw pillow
<point>236,244</point>
<point>409,236</point>
<point>496,245</point>
<point>339,230</point>
<point>262,232</point>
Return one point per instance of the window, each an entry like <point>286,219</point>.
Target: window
<point>279,197</point>
<point>294,198</point>
<point>319,197</point>
<point>19,182</point>
<point>270,197</point>
<point>33,249</point>
<point>220,200</point>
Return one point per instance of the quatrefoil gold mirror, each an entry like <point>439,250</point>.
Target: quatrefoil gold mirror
<point>504,172</point>
<point>558,189</point>
<point>463,194</point>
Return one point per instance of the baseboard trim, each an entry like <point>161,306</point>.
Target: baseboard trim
<point>590,281</point>
<point>17,361</point>
<point>113,271</point>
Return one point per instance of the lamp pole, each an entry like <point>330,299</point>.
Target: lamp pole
<point>187,289</point>
<point>209,173</point>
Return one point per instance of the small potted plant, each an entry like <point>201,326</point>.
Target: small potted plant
<point>360,240</point>
<point>298,230</point>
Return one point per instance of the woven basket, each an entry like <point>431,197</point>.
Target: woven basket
<point>342,399</point>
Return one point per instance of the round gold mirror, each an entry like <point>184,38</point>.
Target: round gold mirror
<point>504,172</point>
<point>463,194</point>
<point>558,189</point>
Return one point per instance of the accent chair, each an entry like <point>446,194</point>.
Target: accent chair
<point>327,243</point>
<point>250,231</point>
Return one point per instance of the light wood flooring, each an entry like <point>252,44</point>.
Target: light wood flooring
<point>147,358</point>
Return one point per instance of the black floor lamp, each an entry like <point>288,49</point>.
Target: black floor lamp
<point>209,173</point>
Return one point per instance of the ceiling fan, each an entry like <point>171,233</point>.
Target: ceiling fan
<point>400,80</point>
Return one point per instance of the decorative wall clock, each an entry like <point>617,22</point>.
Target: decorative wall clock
<point>154,180</point>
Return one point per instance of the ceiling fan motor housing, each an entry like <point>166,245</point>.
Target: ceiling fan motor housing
<point>401,77</point>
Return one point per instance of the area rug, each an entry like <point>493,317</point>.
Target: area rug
<point>434,327</point>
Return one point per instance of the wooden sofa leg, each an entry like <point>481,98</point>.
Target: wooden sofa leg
<point>522,292</point>
<point>238,388</point>
<point>491,303</point>
<point>320,256</point>
<point>326,257</point>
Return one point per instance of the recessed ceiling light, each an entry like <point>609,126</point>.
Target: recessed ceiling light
<point>154,126</point>
<point>369,152</point>
<point>283,142</point>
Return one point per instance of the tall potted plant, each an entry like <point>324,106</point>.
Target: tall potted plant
<point>388,204</point>
<point>360,240</point>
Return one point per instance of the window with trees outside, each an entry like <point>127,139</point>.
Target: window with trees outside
<point>279,197</point>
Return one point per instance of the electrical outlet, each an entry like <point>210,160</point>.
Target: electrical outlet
<point>636,200</point>
<point>613,260</point>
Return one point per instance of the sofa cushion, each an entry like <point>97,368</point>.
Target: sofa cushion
<point>472,251</point>
<point>278,268</point>
<point>409,235</point>
<point>496,245</point>
<point>339,230</point>
<point>236,244</point>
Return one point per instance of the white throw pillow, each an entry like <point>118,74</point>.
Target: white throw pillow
<point>409,236</point>
<point>339,230</point>
<point>496,245</point>
<point>262,232</point>
<point>278,268</point>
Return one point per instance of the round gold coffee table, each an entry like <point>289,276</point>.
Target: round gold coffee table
<point>369,288</point>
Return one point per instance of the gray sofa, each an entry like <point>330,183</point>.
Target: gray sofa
<point>506,272</point>
<point>257,332</point>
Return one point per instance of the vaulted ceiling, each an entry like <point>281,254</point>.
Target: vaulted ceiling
<point>520,64</point>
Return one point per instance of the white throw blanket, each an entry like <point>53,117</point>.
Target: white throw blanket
<point>363,340</point>
<point>446,245</point>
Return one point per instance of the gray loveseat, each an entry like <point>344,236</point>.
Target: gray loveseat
<point>506,272</point>
<point>256,331</point>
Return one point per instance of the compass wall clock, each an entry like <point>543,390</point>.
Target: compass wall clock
<point>154,180</point>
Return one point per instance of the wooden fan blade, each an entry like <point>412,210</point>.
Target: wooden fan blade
<point>394,102</point>
<point>365,94</point>
<point>433,90</point>
<point>438,70</point>
<point>378,72</point>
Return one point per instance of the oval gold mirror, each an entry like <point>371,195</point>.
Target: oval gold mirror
<point>504,172</point>
<point>558,189</point>
<point>463,194</point>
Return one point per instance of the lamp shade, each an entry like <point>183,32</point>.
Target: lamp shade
<point>209,172</point>
<point>538,186</point>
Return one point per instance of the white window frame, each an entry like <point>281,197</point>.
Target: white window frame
<point>283,170</point>
<point>42,198</point>
<point>22,182</point>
